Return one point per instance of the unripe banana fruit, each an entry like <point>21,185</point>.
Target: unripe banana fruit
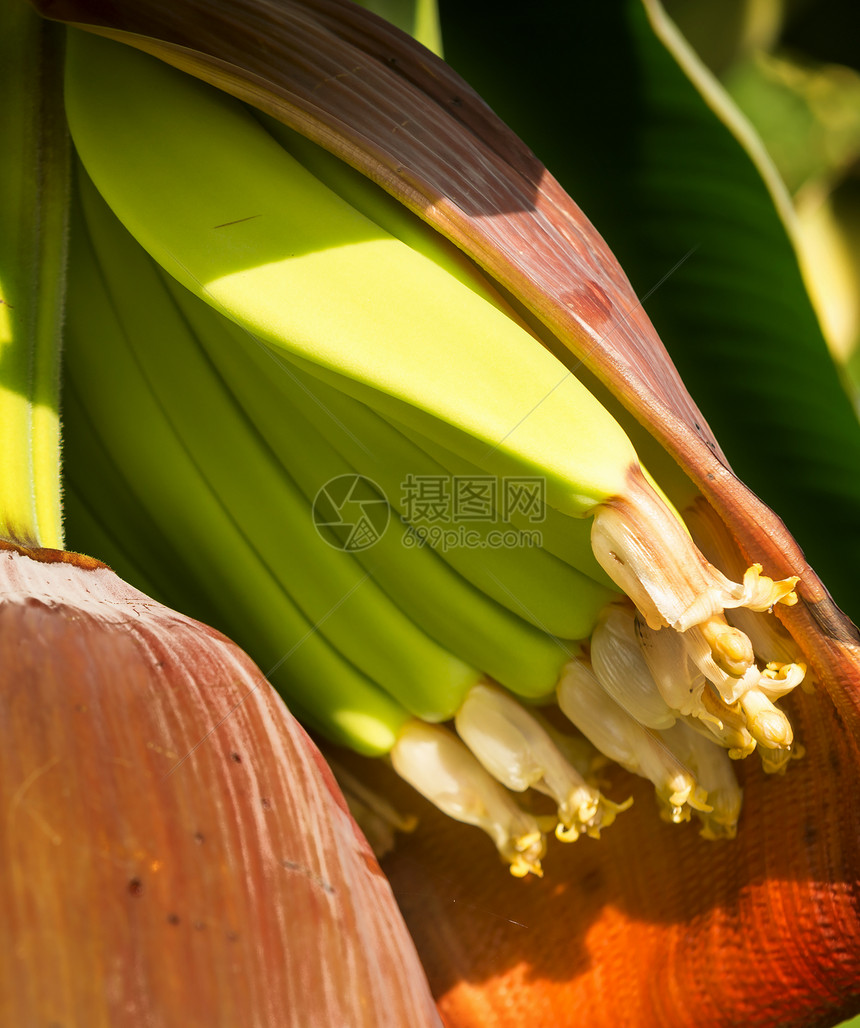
<point>255,234</point>
<point>395,337</point>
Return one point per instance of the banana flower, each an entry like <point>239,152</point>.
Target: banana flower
<point>647,927</point>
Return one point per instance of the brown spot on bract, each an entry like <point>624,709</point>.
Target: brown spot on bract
<point>236,758</point>
<point>292,865</point>
<point>590,303</point>
<point>135,887</point>
<point>591,881</point>
<point>372,864</point>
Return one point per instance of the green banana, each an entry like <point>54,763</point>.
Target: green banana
<point>132,424</point>
<point>450,609</point>
<point>103,516</point>
<point>383,210</point>
<point>530,582</point>
<point>405,335</point>
<point>353,613</point>
<point>564,537</point>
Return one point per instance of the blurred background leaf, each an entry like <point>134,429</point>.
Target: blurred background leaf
<point>670,171</point>
<point>793,68</point>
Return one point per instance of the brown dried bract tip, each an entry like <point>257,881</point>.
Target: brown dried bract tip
<point>46,555</point>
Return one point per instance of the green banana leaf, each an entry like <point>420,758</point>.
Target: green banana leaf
<point>655,161</point>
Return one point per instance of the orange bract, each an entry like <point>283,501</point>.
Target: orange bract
<point>652,925</point>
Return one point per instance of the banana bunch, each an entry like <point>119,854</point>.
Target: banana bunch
<point>267,360</point>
